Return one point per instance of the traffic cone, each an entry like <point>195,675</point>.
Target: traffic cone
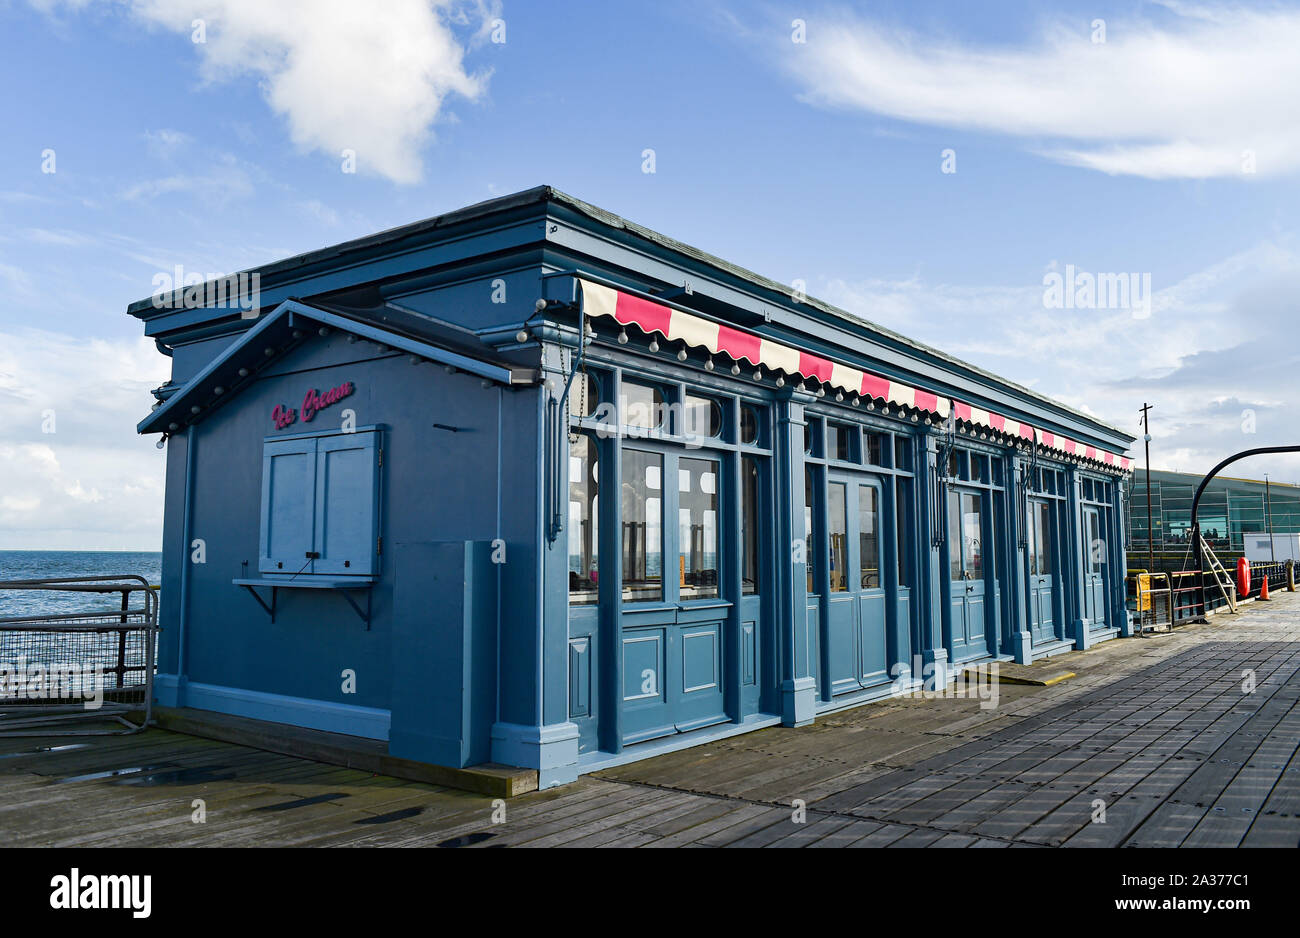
<point>1263,588</point>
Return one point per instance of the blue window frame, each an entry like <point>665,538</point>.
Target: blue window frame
<point>320,504</point>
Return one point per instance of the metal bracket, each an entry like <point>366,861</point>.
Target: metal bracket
<point>363,615</point>
<point>270,610</point>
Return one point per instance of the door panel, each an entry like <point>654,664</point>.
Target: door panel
<point>645,698</point>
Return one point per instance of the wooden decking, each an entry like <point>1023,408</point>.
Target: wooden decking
<point>1156,730</point>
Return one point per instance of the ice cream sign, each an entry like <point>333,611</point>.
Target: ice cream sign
<point>312,404</point>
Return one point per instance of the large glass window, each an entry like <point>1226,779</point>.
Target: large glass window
<point>749,515</point>
<point>954,536</point>
<point>1040,539</point>
<point>583,520</point>
<point>972,549</point>
<point>643,538</point>
<point>902,521</point>
<point>837,525</point>
<point>1096,550</point>
<point>697,513</point>
<point>810,530</point>
<point>868,537</point>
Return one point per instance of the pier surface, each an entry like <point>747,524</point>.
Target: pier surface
<point>1155,741</point>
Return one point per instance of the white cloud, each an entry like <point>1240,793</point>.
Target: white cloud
<point>1209,353</point>
<point>1186,99</point>
<point>92,482</point>
<point>345,75</point>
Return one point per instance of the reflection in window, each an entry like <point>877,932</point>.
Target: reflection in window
<point>642,504</point>
<point>584,396</point>
<point>972,550</point>
<point>1043,523</point>
<point>875,443</point>
<point>749,525</point>
<point>842,441</point>
<point>697,542</point>
<point>748,425</point>
<point>902,520</point>
<point>1095,549</point>
<point>810,530</point>
<point>583,518</point>
<point>903,453</point>
<point>702,417</point>
<point>954,536</point>
<point>837,527</point>
<point>868,537</point>
<point>642,407</point>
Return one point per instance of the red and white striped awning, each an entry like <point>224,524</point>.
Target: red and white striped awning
<point>676,325</point>
<point>984,418</point>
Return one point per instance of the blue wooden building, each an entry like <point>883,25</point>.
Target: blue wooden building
<point>529,484</point>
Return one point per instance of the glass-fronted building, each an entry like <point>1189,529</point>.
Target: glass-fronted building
<point>1230,509</point>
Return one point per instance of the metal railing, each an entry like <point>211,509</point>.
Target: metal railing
<point>1191,600</point>
<point>88,665</point>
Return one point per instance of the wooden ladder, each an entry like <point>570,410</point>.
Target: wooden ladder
<point>1221,576</point>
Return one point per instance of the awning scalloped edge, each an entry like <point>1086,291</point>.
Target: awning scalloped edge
<point>678,326</point>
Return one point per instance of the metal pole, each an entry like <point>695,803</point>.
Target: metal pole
<point>1268,505</point>
<point>1151,531</point>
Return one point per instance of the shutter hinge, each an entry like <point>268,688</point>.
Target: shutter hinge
<point>380,547</point>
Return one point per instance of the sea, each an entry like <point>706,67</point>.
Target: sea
<point>50,564</point>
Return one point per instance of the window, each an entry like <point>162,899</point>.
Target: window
<point>702,418</point>
<point>841,440</point>
<point>972,550</point>
<point>697,513</point>
<point>903,453</point>
<point>837,523</point>
<point>954,536</point>
<point>875,448</point>
<point>902,519</point>
<point>1096,549</point>
<point>749,515</point>
<point>868,538</point>
<point>642,406</point>
<point>1043,524</point>
<point>965,551</point>
<point>749,425</point>
<point>809,530</point>
<point>584,480</point>
<point>643,537</point>
<point>320,504</point>
<point>584,396</point>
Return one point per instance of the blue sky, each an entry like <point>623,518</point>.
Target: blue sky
<point>818,161</point>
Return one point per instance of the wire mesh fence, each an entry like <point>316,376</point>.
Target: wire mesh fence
<point>87,671</point>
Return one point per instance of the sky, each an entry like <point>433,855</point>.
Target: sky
<point>935,167</point>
